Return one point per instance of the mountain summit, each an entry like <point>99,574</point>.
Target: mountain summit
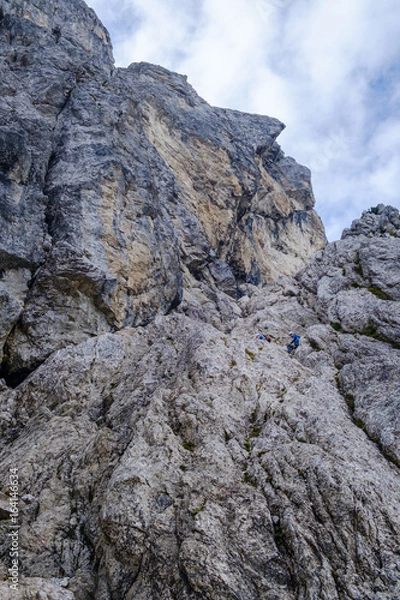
<point>153,446</point>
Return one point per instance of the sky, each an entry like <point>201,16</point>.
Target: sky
<point>328,69</point>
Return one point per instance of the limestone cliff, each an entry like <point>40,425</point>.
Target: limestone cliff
<point>163,452</point>
<point>116,183</point>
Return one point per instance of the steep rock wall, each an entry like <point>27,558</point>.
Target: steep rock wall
<point>117,182</point>
<point>354,285</point>
<point>182,458</point>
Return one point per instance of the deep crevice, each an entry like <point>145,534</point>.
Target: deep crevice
<point>243,206</point>
<point>14,378</point>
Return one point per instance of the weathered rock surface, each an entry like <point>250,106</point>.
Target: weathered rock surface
<point>180,461</point>
<point>163,451</point>
<point>355,285</point>
<point>117,180</point>
<point>355,281</point>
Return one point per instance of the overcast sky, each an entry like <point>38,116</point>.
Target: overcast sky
<point>329,69</point>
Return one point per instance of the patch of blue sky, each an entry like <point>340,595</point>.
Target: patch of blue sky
<point>384,92</point>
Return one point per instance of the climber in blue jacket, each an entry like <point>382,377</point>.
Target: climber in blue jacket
<point>294,343</point>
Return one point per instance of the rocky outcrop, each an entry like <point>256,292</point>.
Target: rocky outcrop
<point>181,461</point>
<point>354,282</point>
<point>354,285</point>
<point>116,182</point>
<point>152,446</point>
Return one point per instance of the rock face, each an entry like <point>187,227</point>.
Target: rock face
<point>153,446</point>
<point>355,281</point>
<point>355,285</point>
<point>117,182</point>
<point>181,461</point>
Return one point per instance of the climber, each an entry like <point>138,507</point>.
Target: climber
<point>264,338</point>
<point>294,343</point>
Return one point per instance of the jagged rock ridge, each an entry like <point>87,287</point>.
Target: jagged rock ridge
<point>163,451</point>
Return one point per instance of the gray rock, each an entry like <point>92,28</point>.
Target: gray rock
<point>369,379</point>
<point>114,179</point>
<point>378,220</point>
<point>205,464</point>
<point>163,451</point>
<point>354,282</point>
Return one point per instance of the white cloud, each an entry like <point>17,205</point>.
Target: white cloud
<point>328,70</point>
